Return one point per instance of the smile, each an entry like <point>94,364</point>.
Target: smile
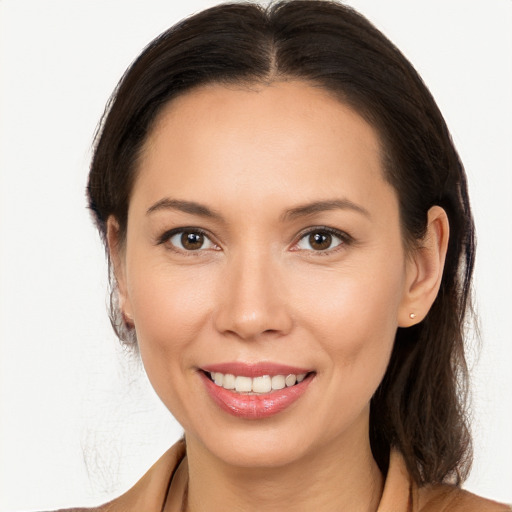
<point>255,391</point>
<point>257,385</point>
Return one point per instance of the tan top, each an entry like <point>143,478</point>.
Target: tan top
<point>400,493</point>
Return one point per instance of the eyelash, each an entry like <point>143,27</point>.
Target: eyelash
<point>345,239</point>
<point>168,235</point>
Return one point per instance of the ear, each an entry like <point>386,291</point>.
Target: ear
<point>117,258</point>
<point>424,270</point>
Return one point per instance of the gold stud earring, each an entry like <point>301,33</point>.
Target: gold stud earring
<point>412,316</point>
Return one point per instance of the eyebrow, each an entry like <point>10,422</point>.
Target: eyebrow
<point>322,206</point>
<point>184,206</point>
<point>304,210</point>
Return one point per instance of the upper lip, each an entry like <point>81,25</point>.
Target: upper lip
<point>254,369</point>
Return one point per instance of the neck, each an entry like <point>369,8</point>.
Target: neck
<point>341,477</point>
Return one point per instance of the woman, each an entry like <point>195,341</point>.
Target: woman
<point>283,207</point>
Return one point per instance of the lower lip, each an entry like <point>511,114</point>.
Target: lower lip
<point>255,407</point>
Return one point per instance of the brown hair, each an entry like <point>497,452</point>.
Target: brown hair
<point>419,407</point>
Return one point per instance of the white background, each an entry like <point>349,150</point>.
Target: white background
<point>78,422</point>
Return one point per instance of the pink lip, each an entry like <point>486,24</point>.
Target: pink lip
<point>255,370</point>
<point>249,406</point>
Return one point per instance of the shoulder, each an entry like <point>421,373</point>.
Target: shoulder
<point>149,493</point>
<point>449,498</point>
<point>94,509</point>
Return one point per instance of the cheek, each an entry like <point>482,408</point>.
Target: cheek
<point>355,322</point>
<point>354,314</point>
<point>169,308</point>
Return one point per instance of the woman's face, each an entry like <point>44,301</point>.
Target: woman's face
<point>263,241</point>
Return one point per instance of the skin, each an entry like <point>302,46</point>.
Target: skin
<point>258,291</point>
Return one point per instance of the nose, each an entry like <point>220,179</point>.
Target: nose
<point>252,299</point>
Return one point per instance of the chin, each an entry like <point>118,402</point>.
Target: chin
<point>259,454</point>
<point>257,446</point>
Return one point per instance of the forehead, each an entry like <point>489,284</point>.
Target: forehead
<point>287,139</point>
<point>285,106</point>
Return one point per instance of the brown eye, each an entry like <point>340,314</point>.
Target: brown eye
<point>320,241</point>
<point>190,240</point>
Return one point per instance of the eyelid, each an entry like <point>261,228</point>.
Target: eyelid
<point>342,235</point>
<point>167,235</point>
<point>345,238</point>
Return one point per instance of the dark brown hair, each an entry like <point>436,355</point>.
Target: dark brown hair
<point>419,406</point>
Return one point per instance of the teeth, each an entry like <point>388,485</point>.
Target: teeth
<point>278,382</point>
<point>263,384</point>
<point>228,381</point>
<point>290,380</point>
<point>243,384</point>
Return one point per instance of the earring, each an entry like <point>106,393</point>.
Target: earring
<point>412,316</point>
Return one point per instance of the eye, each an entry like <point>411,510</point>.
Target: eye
<point>321,239</point>
<point>188,240</point>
